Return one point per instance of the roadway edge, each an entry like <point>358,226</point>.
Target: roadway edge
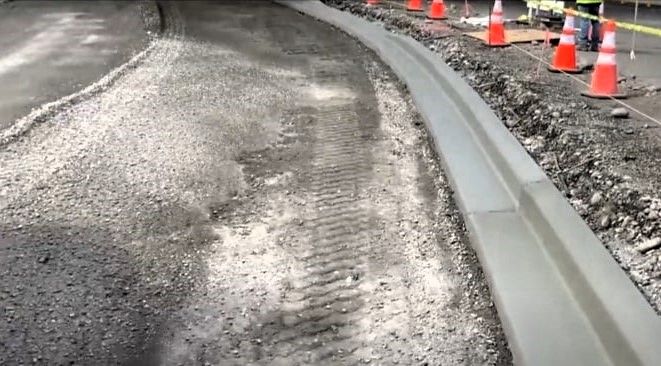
<point>44,112</point>
<point>552,280</point>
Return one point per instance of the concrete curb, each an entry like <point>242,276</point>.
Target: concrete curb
<point>562,298</point>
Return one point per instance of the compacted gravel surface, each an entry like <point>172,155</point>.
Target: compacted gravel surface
<point>257,190</point>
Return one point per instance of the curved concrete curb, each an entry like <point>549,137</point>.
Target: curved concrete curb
<point>560,295</point>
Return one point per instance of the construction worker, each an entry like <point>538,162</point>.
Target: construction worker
<point>590,7</point>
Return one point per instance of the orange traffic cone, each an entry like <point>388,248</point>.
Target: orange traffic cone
<point>437,10</point>
<point>604,77</point>
<point>372,2</point>
<point>565,55</point>
<point>495,36</point>
<point>414,5</point>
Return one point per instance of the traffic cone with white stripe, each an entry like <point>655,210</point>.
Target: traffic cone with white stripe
<point>495,36</point>
<point>604,77</point>
<point>437,10</point>
<point>565,54</point>
<point>414,5</point>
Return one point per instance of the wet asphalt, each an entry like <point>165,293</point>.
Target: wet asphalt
<point>52,49</point>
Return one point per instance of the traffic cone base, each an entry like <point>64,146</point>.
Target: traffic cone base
<point>578,70</point>
<point>496,45</point>
<point>590,94</point>
<point>436,18</point>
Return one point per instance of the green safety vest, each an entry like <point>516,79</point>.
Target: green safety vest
<point>582,2</point>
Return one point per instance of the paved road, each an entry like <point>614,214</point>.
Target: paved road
<point>258,191</point>
<point>52,49</point>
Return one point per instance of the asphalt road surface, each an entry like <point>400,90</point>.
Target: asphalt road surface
<point>51,49</point>
<point>257,191</point>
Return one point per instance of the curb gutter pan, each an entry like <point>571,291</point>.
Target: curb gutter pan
<point>561,297</point>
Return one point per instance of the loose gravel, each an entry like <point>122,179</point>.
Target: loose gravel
<point>257,190</point>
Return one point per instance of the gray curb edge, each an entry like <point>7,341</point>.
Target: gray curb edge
<point>561,297</point>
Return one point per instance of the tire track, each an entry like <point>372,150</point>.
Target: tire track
<point>323,308</point>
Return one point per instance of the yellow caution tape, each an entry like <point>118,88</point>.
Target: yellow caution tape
<point>629,26</point>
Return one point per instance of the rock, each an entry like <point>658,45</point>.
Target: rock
<point>605,221</point>
<point>648,245</point>
<point>626,221</point>
<point>44,259</point>
<point>596,198</point>
<point>620,112</point>
<point>511,122</point>
<point>653,88</point>
<point>555,114</point>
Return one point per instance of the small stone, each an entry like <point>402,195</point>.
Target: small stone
<point>43,259</point>
<point>555,114</point>
<point>596,198</point>
<point>605,222</point>
<point>648,245</point>
<point>511,122</point>
<point>626,221</point>
<point>620,113</point>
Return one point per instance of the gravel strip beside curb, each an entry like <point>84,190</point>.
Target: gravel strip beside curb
<point>549,274</point>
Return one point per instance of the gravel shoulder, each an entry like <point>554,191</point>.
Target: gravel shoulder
<point>607,168</point>
<point>258,190</point>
